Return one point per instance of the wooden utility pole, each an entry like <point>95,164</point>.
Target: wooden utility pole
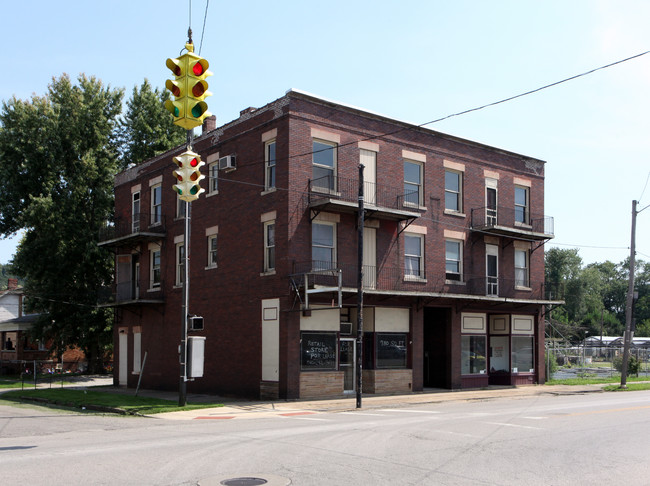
<point>627,340</point>
<point>360,224</point>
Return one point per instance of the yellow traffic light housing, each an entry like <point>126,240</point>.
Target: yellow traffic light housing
<point>189,89</point>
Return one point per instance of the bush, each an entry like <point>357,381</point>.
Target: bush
<point>550,360</point>
<point>633,365</point>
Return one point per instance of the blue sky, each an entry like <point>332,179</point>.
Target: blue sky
<point>411,60</point>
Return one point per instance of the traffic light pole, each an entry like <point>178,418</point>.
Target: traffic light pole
<point>360,224</point>
<point>182,390</point>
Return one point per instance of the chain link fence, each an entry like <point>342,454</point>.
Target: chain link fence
<point>591,361</point>
<point>42,373</point>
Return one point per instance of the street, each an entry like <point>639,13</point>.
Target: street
<point>599,438</point>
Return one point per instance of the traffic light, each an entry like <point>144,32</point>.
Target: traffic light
<point>189,89</point>
<point>188,176</point>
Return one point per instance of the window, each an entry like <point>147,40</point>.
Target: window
<point>318,351</point>
<point>269,164</point>
<point>390,350</point>
<point>453,260</point>
<point>521,268</point>
<point>213,178</point>
<point>180,263</point>
<point>156,204</point>
<point>453,191</point>
<point>413,263</point>
<point>135,211</point>
<point>180,208</point>
<point>492,269</point>
<point>412,183</point>
<point>521,205</point>
<point>522,354</point>
<point>323,246</point>
<point>212,251</point>
<point>154,276</point>
<point>473,355</point>
<point>324,170</point>
<point>269,246</point>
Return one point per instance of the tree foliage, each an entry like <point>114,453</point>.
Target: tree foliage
<point>59,154</point>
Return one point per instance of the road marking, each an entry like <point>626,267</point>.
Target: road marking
<point>641,407</point>
<point>221,417</point>
<point>535,418</point>
<point>363,413</point>
<point>514,425</point>
<point>407,411</point>
<point>312,418</point>
<point>293,414</point>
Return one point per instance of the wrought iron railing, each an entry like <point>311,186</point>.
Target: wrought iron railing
<point>514,218</point>
<point>127,291</point>
<point>379,195</point>
<point>133,224</point>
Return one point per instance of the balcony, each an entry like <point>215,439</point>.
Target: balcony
<point>512,222</point>
<point>398,281</point>
<point>339,194</point>
<point>129,293</point>
<point>126,231</point>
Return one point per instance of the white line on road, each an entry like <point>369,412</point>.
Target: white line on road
<point>362,413</point>
<point>407,411</point>
<point>514,425</point>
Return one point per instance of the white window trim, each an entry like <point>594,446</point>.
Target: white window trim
<point>334,249</point>
<point>526,207</point>
<point>179,264</point>
<point>419,204</point>
<point>417,278</point>
<point>152,284</point>
<point>459,194</point>
<point>213,175</point>
<point>267,186</point>
<point>460,262</point>
<point>526,285</point>
<point>211,264</point>
<point>153,206</point>
<point>334,168</point>
<point>180,204</point>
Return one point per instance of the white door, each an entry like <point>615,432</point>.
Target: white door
<point>492,269</point>
<point>369,258</point>
<point>347,363</point>
<point>491,202</point>
<point>124,358</point>
<point>369,160</point>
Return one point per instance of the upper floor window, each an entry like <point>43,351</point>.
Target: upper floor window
<point>135,211</point>
<point>324,169</point>
<point>412,183</point>
<point>180,263</point>
<point>180,208</point>
<point>269,164</point>
<point>323,245</point>
<point>212,251</point>
<point>413,253</point>
<point>453,260</point>
<point>269,246</point>
<point>213,178</point>
<point>154,265</point>
<point>521,268</point>
<point>156,204</point>
<point>521,204</point>
<point>454,191</point>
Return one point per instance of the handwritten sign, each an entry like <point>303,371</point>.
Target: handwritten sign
<point>318,350</point>
<point>391,350</point>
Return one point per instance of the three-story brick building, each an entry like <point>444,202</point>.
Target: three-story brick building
<point>453,259</point>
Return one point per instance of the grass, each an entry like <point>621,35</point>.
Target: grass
<point>101,401</point>
<point>591,380</point>
<point>17,382</point>
<point>630,387</point>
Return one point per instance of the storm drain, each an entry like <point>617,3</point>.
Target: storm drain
<point>244,482</point>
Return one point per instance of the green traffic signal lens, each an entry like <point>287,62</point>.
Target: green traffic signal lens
<point>194,190</point>
<point>197,111</point>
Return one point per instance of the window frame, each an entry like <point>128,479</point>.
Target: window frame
<point>135,215</point>
<point>180,208</point>
<point>419,184</point>
<point>525,269</point>
<point>212,252</point>
<point>213,177</point>
<point>420,258</point>
<point>459,262</point>
<point>525,206</point>
<point>458,194</point>
<point>156,204</point>
<point>179,251</point>
<point>333,249</point>
<point>270,164</point>
<point>155,270</point>
<point>315,165</point>
<point>469,369</point>
<point>269,249</point>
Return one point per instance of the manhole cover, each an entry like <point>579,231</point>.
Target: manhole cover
<point>243,482</point>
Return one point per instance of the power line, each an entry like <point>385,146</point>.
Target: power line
<point>205,18</point>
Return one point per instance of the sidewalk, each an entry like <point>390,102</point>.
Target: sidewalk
<point>287,408</point>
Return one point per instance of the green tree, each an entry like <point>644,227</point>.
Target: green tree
<point>147,128</point>
<point>59,154</point>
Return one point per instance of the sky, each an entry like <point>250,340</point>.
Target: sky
<point>414,61</point>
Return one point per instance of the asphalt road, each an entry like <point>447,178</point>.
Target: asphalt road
<point>578,439</point>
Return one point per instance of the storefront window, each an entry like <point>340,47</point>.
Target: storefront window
<point>522,354</point>
<point>390,350</point>
<point>473,355</point>
<point>318,351</point>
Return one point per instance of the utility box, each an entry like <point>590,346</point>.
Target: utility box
<point>195,356</point>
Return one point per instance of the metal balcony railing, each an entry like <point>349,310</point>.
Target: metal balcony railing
<point>128,291</point>
<point>515,220</point>
<point>377,195</point>
<point>136,224</point>
<point>403,280</point>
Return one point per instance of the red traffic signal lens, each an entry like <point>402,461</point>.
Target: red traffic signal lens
<point>176,91</point>
<point>194,162</point>
<point>197,69</point>
<point>198,89</point>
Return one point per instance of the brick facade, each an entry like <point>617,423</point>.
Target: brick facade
<point>414,325</point>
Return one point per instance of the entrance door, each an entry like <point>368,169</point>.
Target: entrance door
<point>135,284</point>
<point>492,269</point>
<point>491,202</point>
<point>347,360</point>
<point>369,160</point>
<point>369,258</point>
<point>124,358</point>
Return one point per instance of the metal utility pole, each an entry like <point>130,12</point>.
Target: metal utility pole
<point>627,341</point>
<point>182,389</point>
<point>360,223</point>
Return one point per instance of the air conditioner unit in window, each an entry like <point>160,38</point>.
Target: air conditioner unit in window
<point>196,323</point>
<point>227,163</point>
<point>346,328</point>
